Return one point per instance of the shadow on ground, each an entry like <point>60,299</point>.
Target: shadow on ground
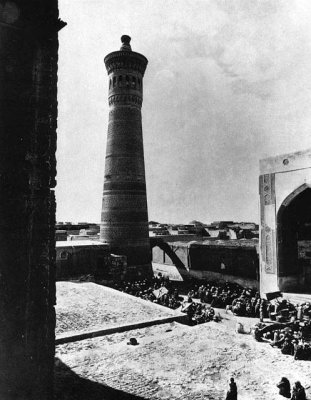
<point>70,386</point>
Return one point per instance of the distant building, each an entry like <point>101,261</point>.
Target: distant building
<point>153,224</point>
<point>233,230</point>
<point>60,235</point>
<point>77,237</point>
<point>69,226</point>
<point>221,224</point>
<point>158,231</point>
<point>79,231</point>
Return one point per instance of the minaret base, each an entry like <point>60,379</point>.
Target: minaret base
<point>138,272</point>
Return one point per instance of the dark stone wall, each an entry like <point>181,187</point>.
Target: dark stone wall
<point>28,117</point>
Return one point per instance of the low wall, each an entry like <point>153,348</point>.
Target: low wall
<point>233,261</point>
<point>238,261</point>
<point>74,259</point>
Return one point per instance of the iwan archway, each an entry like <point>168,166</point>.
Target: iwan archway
<point>285,223</point>
<point>294,241</point>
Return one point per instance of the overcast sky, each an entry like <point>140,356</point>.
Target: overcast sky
<point>228,83</point>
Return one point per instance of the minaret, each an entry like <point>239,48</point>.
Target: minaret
<point>124,219</point>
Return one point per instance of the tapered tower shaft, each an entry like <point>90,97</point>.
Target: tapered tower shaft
<point>124,220</point>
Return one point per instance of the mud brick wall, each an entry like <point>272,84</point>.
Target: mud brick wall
<point>28,118</point>
<point>238,261</point>
<point>76,261</point>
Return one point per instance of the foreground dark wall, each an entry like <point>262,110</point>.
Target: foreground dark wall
<point>28,115</point>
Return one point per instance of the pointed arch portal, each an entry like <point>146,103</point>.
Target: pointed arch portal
<point>294,241</point>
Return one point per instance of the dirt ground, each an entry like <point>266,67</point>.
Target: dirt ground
<point>174,361</point>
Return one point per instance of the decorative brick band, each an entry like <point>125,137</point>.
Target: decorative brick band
<point>124,99</point>
<point>125,60</point>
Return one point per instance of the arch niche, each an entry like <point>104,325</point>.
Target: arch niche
<point>294,241</point>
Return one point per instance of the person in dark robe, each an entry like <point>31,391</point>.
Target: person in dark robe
<point>232,393</point>
<point>298,392</point>
<point>284,387</point>
<point>287,347</point>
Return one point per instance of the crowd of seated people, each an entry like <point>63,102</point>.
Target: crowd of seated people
<point>230,296</point>
<point>161,290</point>
<point>289,326</point>
<point>290,330</point>
<point>220,295</point>
<point>199,313</point>
<point>158,290</point>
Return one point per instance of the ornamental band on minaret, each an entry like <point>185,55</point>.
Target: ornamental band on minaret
<point>124,219</point>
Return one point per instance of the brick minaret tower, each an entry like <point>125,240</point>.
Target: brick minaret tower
<point>124,219</point>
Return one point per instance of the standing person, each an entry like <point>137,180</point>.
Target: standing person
<point>189,308</point>
<point>298,392</point>
<point>232,393</point>
<point>284,387</point>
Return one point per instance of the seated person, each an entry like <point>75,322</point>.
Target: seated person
<point>298,392</point>
<point>287,347</point>
<point>284,387</point>
<point>298,350</point>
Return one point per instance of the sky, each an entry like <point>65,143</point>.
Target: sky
<point>227,84</point>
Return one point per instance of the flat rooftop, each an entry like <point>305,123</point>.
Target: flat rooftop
<point>230,243</point>
<point>82,307</point>
<point>79,243</point>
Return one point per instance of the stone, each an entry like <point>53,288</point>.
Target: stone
<point>28,120</point>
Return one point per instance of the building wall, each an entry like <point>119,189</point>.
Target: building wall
<point>161,257</point>
<point>279,177</point>
<point>77,260</point>
<point>74,260</point>
<point>237,261</point>
<point>158,256</point>
<point>28,119</point>
<point>204,261</point>
<point>182,252</point>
